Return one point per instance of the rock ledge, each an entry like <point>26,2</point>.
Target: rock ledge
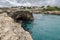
<point>10,30</point>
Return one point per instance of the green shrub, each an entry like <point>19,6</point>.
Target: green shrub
<point>49,8</point>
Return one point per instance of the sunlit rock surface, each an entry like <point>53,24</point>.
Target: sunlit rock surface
<point>10,30</point>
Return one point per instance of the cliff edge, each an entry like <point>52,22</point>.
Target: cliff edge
<point>10,30</point>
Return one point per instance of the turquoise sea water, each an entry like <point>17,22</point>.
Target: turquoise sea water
<point>44,27</point>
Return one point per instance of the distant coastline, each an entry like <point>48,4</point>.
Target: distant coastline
<point>34,9</point>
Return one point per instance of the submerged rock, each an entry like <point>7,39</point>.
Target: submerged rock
<point>10,30</point>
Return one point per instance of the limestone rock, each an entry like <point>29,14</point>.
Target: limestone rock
<point>10,30</point>
<point>21,15</point>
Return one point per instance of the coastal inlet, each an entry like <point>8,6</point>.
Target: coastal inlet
<point>44,27</point>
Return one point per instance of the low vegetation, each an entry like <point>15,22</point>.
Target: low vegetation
<point>50,8</point>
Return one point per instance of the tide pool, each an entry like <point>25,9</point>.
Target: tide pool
<point>44,27</point>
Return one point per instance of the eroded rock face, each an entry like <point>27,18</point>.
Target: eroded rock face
<point>21,15</point>
<point>10,30</point>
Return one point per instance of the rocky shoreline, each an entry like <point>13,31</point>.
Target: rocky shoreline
<point>47,12</point>
<point>10,25</point>
<point>32,10</point>
<point>51,12</point>
<point>11,20</point>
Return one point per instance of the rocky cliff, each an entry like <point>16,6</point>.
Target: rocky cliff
<point>11,30</point>
<point>21,15</point>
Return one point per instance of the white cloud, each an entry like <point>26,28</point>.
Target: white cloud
<point>51,2</point>
<point>15,3</point>
<point>28,2</point>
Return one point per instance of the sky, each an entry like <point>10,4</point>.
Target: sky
<point>4,3</point>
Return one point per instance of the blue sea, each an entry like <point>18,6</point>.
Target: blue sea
<point>44,27</point>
